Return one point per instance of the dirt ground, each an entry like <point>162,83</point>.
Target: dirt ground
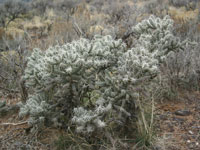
<point>15,133</point>
<point>174,132</point>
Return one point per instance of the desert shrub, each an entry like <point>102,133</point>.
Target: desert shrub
<point>95,83</point>
<point>179,3</point>
<point>62,8</point>
<point>156,7</point>
<point>180,71</point>
<point>188,4</point>
<point>12,65</point>
<point>66,8</point>
<point>11,10</point>
<point>68,5</point>
<point>40,6</point>
<point>98,4</point>
<point>122,17</point>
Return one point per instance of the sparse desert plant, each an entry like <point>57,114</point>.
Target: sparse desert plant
<point>40,6</point>
<point>179,3</point>
<point>11,10</point>
<point>98,4</point>
<point>122,17</point>
<point>67,6</point>
<point>188,4</point>
<point>180,71</point>
<point>12,66</point>
<point>156,7</point>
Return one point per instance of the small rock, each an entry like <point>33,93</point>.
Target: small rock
<point>163,117</point>
<point>180,120</point>
<point>157,148</point>
<point>182,112</point>
<point>190,132</point>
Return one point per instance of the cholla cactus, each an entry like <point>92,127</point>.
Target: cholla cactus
<point>62,76</point>
<point>88,121</point>
<point>155,35</point>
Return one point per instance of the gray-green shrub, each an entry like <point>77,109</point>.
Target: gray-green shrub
<point>91,83</point>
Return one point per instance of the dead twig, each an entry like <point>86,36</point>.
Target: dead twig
<point>14,124</point>
<point>77,29</point>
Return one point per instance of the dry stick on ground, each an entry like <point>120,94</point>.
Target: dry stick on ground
<point>14,124</point>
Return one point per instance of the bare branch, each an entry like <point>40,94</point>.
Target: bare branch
<point>14,124</point>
